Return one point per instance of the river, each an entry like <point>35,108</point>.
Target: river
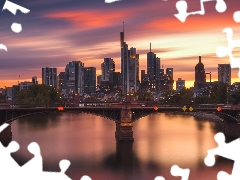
<point>88,142</point>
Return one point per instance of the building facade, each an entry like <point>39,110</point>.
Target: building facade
<point>49,76</point>
<point>24,85</point>
<point>62,83</point>
<point>224,73</point>
<point>74,73</point>
<point>89,80</point>
<point>124,63</point>
<point>34,80</point>
<point>133,70</point>
<point>144,81</point>
<point>153,70</point>
<point>108,67</point>
<point>129,67</point>
<point>180,84</point>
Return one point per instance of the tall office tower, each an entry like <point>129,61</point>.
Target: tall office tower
<point>34,80</point>
<point>169,72</point>
<point>124,63</point>
<point>133,70</point>
<point>161,74</point>
<point>89,80</point>
<point>200,76</point>
<point>62,83</point>
<point>99,79</point>
<point>153,70</point>
<point>166,80</point>
<point>144,81</point>
<point>180,84</point>
<point>116,82</point>
<point>49,76</point>
<point>108,67</point>
<point>224,73</point>
<point>74,77</point>
<point>137,72</point>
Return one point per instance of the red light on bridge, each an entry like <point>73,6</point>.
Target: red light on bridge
<point>219,108</point>
<point>155,108</point>
<point>60,108</point>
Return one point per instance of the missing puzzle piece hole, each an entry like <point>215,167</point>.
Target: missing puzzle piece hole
<point>221,51</point>
<point>64,165</point>
<point>221,6</point>
<point>236,16</point>
<point>236,54</point>
<point>159,178</point>
<point>17,28</point>
<point>209,160</point>
<point>85,178</point>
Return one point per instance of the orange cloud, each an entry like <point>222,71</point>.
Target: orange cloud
<point>193,23</point>
<point>91,19</point>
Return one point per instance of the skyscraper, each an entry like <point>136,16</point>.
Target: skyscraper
<point>169,72</point>
<point>153,70</point>
<point>108,67</point>
<point>124,63</point>
<point>89,80</point>
<point>144,81</point>
<point>224,73</point>
<point>180,84</point>
<point>129,67</point>
<point>133,70</point>
<point>99,79</point>
<point>62,83</point>
<point>116,82</point>
<point>49,76</point>
<point>74,72</point>
<point>200,76</point>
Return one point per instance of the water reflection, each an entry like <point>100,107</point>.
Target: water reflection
<point>88,141</point>
<point>39,121</point>
<point>123,159</point>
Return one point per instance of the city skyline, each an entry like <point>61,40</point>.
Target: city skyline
<point>44,43</point>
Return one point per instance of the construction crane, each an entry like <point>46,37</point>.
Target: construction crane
<point>210,76</point>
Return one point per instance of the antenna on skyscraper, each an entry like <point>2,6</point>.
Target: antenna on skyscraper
<point>123,26</point>
<point>150,47</point>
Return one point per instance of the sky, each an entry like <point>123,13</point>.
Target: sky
<point>59,31</point>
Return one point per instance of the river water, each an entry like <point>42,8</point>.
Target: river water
<point>88,142</point>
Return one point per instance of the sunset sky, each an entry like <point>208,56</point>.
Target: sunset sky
<point>56,32</point>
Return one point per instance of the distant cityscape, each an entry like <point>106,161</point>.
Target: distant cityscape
<point>81,80</point>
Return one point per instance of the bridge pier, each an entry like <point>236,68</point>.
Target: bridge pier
<point>6,136</point>
<point>124,130</point>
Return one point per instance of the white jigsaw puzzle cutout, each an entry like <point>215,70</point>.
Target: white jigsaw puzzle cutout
<point>222,51</point>
<point>111,1</point>
<point>33,169</point>
<point>182,6</point>
<point>227,150</point>
<point>12,7</point>
<point>177,171</point>
<point>16,27</point>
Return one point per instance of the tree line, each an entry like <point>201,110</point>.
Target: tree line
<point>38,94</point>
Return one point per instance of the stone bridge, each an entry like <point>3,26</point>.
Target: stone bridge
<point>124,114</point>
